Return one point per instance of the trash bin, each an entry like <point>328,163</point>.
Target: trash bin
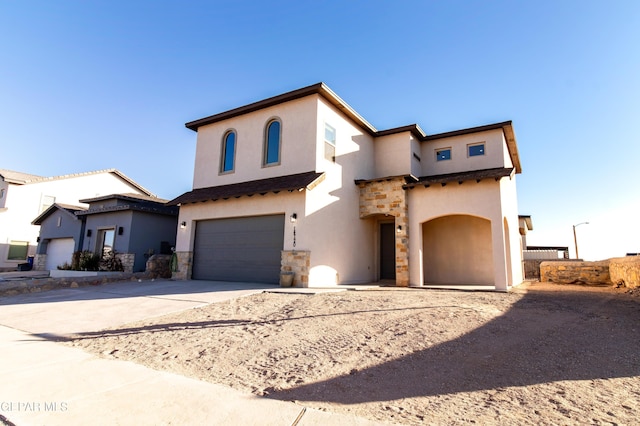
<point>30,261</point>
<point>286,278</point>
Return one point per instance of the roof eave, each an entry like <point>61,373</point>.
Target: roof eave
<point>318,88</point>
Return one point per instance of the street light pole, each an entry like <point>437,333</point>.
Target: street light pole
<point>575,239</point>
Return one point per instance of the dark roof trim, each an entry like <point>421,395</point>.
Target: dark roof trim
<point>413,128</point>
<point>127,197</point>
<point>477,175</point>
<point>545,248</point>
<point>527,221</point>
<point>315,89</point>
<point>494,126</point>
<point>407,179</point>
<point>68,209</point>
<point>323,90</point>
<point>158,209</point>
<point>290,183</point>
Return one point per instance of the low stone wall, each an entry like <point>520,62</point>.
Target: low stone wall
<point>575,272</point>
<point>298,262</point>
<point>158,266</point>
<point>127,260</point>
<point>625,271</point>
<point>13,287</point>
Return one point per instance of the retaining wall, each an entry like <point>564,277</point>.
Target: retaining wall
<point>620,271</point>
<point>575,272</point>
<point>625,271</point>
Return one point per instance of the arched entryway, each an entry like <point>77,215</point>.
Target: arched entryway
<point>458,250</point>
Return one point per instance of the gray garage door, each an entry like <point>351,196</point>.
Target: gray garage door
<point>239,249</point>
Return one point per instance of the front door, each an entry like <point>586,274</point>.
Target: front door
<point>387,251</point>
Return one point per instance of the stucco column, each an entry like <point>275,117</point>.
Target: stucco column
<point>499,254</point>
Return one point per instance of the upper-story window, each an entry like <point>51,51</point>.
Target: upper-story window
<point>443,154</point>
<point>329,142</point>
<point>476,149</point>
<point>228,152</point>
<point>272,143</point>
<point>329,134</point>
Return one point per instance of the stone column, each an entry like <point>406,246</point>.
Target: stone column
<point>39,262</point>
<point>185,266</point>
<point>298,262</point>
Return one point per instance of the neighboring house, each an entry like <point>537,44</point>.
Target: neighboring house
<point>134,226</point>
<point>301,182</point>
<point>24,197</point>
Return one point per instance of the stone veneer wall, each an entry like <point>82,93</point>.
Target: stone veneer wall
<point>158,266</point>
<point>185,266</point>
<point>386,197</point>
<point>298,262</point>
<point>625,271</point>
<point>127,259</point>
<point>39,262</point>
<point>574,272</point>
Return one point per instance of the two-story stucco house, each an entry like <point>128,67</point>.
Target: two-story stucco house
<point>23,197</point>
<point>301,182</point>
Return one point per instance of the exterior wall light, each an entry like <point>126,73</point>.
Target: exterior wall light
<point>293,218</point>
<point>183,224</point>
<point>398,229</point>
<point>120,230</point>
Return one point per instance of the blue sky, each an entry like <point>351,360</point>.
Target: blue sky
<point>109,84</point>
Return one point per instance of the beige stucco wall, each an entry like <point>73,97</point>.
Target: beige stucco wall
<point>481,199</point>
<point>509,197</point>
<point>455,250</point>
<point>496,153</point>
<point>327,211</point>
<point>393,154</point>
<point>298,120</point>
<point>23,204</point>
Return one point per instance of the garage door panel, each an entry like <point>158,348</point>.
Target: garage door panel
<point>239,249</point>
<point>59,251</point>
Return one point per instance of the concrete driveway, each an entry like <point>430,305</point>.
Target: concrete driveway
<point>74,310</point>
<point>45,382</point>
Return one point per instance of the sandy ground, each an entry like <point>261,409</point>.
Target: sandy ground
<point>544,354</point>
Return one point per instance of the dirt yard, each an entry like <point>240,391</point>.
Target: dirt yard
<point>544,354</point>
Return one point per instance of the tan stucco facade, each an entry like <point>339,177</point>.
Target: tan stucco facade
<point>370,178</point>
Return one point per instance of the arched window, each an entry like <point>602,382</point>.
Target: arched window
<point>228,151</point>
<point>272,143</point>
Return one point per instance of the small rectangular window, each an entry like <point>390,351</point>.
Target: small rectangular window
<point>18,250</point>
<point>329,134</point>
<point>329,143</point>
<point>476,150</point>
<point>443,154</point>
